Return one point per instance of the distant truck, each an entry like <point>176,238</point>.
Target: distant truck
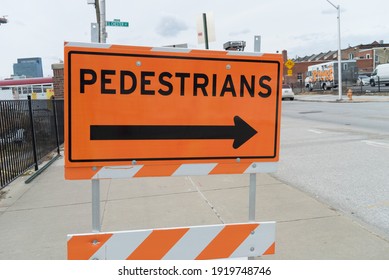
<point>380,75</point>
<point>325,75</point>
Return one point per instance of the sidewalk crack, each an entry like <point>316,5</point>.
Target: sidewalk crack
<point>206,200</point>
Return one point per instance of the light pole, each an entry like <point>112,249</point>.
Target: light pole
<point>100,18</point>
<point>339,53</point>
<point>103,33</point>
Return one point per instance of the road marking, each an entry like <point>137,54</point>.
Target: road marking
<point>376,144</point>
<point>310,112</point>
<point>315,131</point>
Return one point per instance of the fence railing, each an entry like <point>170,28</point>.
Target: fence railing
<point>379,87</point>
<point>299,87</point>
<point>29,131</point>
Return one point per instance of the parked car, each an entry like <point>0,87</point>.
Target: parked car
<point>380,75</point>
<point>363,80</point>
<point>287,92</point>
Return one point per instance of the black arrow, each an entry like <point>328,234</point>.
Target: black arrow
<point>240,132</point>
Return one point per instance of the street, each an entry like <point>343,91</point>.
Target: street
<point>338,153</point>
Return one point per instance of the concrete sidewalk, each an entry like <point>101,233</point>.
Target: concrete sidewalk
<point>35,218</point>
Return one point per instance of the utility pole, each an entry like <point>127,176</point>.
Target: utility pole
<point>205,24</point>
<point>100,19</point>
<point>103,33</point>
<point>339,54</point>
<point>97,6</point>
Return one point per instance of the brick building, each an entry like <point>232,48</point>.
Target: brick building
<point>300,67</point>
<point>367,56</point>
<point>58,80</point>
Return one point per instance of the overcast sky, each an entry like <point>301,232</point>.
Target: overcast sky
<point>38,28</point>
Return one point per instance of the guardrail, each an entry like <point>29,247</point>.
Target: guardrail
<point>29,131</point>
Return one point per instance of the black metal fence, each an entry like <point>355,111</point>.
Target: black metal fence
<point>299,87</point>
<point>29,131</point>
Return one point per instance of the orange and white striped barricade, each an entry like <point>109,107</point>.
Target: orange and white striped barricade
<point>186,243</point>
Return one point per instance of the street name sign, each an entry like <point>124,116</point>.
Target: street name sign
<point>167,111</point>
<point>117,23</point>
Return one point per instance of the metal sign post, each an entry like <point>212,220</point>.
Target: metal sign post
<point>96,217</point>
<point>96,224</point>
<point>252,199</point>
<point>252,196</point>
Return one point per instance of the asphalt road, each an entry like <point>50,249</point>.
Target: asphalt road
<point>339,153</point>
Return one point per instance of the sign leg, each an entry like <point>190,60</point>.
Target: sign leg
<point>252,196</point>
<point>252,199</point>
<point>96,226</point>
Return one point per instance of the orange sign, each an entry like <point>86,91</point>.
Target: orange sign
<point>159,106</point>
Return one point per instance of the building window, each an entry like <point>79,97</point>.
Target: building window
<point>350,56</point>
<point>345,66</point>
<point>368,56</point>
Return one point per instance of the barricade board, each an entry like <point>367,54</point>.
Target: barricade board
<point>161,109</point>
<point>186,243</point>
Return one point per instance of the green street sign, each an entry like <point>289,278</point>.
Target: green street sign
<point>117,23</point>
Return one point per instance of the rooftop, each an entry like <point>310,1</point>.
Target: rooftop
<point>331,55</point>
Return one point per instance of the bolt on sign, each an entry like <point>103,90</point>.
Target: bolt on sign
<point>164,111</point>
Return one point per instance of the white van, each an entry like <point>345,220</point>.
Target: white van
<point>380,75</point>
